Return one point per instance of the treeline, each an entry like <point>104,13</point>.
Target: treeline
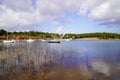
<point>46,35</point>
<point>26,35</point>
<point>102,35</point>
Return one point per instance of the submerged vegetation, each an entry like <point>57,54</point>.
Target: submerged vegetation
<point>39,62</point>
<point>44,35</point>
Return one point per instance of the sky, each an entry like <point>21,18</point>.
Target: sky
<point>60,16</point>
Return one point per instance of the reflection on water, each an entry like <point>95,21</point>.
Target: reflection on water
<point>100,66</point>
<point>78,60</point>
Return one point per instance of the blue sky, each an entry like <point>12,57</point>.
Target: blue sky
<point>60,16</point>
<point>80,24</point>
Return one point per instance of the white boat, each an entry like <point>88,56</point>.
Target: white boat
<point>30,40</point>
<point>68,39</point>
<point>9,41</point>
<point>43,40</point>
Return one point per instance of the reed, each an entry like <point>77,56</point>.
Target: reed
<point>39,62</point>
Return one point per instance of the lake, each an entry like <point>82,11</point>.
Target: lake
<point>68,60</point>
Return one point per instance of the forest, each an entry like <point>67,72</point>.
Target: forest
<point>99,35</point>
<point>46,35</point>
<point>26,35</point>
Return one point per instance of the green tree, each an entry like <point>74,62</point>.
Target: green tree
<point>3,32</point>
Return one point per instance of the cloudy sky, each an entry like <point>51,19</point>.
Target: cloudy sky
<point>61,16</point>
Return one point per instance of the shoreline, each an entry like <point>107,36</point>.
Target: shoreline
<point>65,39</point>
<point>94,39</point>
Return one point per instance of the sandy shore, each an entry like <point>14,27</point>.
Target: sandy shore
<point>94,38</point>
<point>87,39</point>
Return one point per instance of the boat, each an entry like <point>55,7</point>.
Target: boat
<point>9,41</point>
<point>53,41</point>
<point>43,40</point>
<point>68,39</point>
<point>30,40</point>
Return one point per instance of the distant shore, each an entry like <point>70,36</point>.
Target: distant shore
<point>91,38</point>
<point>95,38</point>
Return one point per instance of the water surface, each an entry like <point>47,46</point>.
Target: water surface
<point>88,58</point>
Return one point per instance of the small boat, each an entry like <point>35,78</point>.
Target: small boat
<point>9,41</point>
<point>30,40</point>
<point>53,41</point>
<point>43,40</point>
<point>68,39</point>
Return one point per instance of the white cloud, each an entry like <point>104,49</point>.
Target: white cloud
<point>102,67</point>
<point>27,12</point>
<point>10,17</point>
<point>108,10</point>
<point>24,5</point>
<point>88,5</point>
<point>24,12</point>
<point>101,10</point>
<point>62,30</point>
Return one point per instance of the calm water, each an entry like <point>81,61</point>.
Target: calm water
<point>86,56</point>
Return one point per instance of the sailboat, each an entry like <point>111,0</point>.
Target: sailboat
<point>68,39</point>
<point>8,41</point>
<point>29,40</point>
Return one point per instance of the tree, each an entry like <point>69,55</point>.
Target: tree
<point>3,32</point>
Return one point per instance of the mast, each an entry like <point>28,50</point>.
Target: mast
<point>7,34</point>
<point>29,34</point>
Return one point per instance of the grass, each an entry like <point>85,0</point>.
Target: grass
<point>31,62</point>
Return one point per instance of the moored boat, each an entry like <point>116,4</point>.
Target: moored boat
<point>30,40</point>
<point>9,41</point>
<point>53,41</point>
<point>43,40</point>
<point>68,39</point>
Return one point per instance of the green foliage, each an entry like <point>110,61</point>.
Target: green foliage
<point>34,34</point>
<point>103,35</point>
<point>3,32</point>
<point>43,35</point>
